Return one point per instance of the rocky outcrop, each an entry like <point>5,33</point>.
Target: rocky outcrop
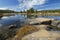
<point>36,32</point>
<point>41,21</point>
<point>42,35</point>
<point>33,31</point>
<point>55,22</point>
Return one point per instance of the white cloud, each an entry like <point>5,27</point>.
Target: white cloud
<point>3,8</point>
<point>6,9</point>
<point>27,4</point>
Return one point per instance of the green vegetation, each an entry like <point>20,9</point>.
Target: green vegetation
<point>6,11</point>
<point>31,12</point>
<point>50,11</point>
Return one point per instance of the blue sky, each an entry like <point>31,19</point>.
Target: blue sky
<point>19,5</point>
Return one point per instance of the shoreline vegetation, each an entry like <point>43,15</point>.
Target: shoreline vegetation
<point>31,12</point>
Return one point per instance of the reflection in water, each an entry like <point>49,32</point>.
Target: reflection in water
<point>18,20</point>
<point>1,17</point>
<point>56,17</point>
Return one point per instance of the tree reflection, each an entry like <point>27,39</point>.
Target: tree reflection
<point>1,15</point>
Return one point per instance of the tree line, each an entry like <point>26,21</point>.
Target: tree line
<point>31,10</point>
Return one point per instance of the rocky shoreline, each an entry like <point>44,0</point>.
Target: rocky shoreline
<point>37,29</point>
<point>43,33</point>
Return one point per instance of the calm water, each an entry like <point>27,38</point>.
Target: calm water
<point>56,17</point>
<point>12,20</point>
<point>19,20</point>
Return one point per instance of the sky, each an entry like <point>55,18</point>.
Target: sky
<point>21,5</point>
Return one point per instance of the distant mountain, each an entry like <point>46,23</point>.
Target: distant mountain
<point>7,11</point>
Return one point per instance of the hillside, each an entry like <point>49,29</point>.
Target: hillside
<point>7,11</point>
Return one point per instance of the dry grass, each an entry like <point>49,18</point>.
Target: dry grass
<point>25,31</point>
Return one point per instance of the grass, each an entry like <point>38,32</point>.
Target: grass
<point>25,31</point>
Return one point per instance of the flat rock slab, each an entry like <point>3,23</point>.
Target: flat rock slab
<point>39,20</point>
<point>43,34</point>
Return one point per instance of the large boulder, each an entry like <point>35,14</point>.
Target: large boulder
<point>41,21</point>
<point>56,24</point>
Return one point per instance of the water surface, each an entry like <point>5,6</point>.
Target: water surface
<point>56,17</point>
<point>12,20</point>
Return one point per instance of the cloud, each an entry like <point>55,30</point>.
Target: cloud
<point>3,8</point>
<point>6,9</point>
<point>27,4</point>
